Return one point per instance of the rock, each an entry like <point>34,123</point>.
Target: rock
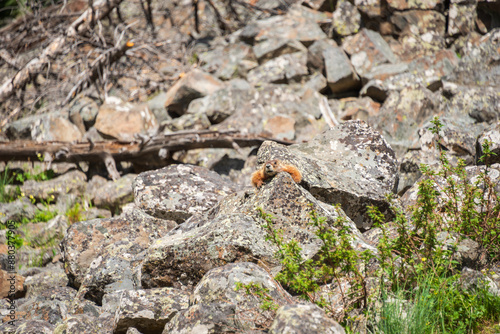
<point>471,280</point>
<point>350,164</point>
<point>178,191</point>
<point>297,27</point>
<point>188,121</point>
<point>283,127</point>
<point>480,103</point>
<point>114,194</point>
<point>47,278</point>
<point>224,61</point>
<point>275,47</point>
<point>403,113</point>
<point>87,241</point>
<point>346,19</point>
<point>320,5</point>
<point>493,136</point>
<point>232,232</point>
<point>340,74</point>
<point>35,327</point>
<point>412,4</point>
<point>371,8</point>
<point>46,127</point>
<point>11,285</point>
<point>467,253</point>
<point>45,234</point>
<point>355,108</point>
<point>157,106</point>
<point>420,22</point>
<point>462,17</point>
<point>86,109</point>
<point>223,103</point>
<point>81,323</point>
<point>73,182</point>
<point>220,285</point>
<point>122,120</point>
<point>367,50</point>
<point>52,305</point>
<point>286,68</point>
<point>17,210</point>
<point>146,310</point>
<point>304,319</point>
<point>192,85</point>
<point>202,318</point>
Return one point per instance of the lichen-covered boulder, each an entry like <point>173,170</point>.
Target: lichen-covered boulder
<point>304,319</point>
<point>15,211</point>
<point>178,191</point>
<point>82,323</point>
<point>146,310</point>
<point>233,232</point>
<point>351,165</point>
<point>221,285</point>
<point>202,318</point>
<point>283,69</point>
<point>87,240</point>
<point>31,327</point>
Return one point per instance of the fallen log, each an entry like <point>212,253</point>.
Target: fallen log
<point>151,148</point>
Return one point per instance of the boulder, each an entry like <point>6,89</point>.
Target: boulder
<point>283,69</point>
<point>492,134</point>
<point>225,61</point>
<point>148,311</point>
<point>304,319</point>
<point>31,327</point>
<point>275,47</point>
<point>113,194</point>
<point>220,285</point>
<point>462,17</point>
<point>192,85</point>
<point>122,120</point>
<point>178,191</point>
<point>11,285</point>
<point>367,50</point>
<point>45,127</point>
<point>73,182</point>
<point>346,19</point>
<point>82,323</point>
<point>233,232</point>
<point>351,165</point>
<point>15,211</point>
<point>87,241</point>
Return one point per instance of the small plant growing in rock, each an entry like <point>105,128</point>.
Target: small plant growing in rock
<point>335,261</point>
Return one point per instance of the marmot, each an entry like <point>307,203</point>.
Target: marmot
<point>271,168</point>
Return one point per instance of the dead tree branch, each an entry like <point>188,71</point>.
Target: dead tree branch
<point>79,27</point>
<point>158,147</point>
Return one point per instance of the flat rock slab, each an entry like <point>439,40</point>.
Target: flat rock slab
<point>178,191</point>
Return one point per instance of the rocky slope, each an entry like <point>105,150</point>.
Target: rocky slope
<point>353,85</point>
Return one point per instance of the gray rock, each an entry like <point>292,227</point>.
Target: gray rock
<point>46,127</point>
<point>346,19</point>
<point>221,104</point>
<point>147,311</point>
<point>233,232</point>
<point>367,50</point>
<point>462,17</point>
<point>192,85</point>
<point>188,121</point>
<point>73,182</point>
<point>492,134</point>
<point>113,194</point>
<point>178,191</point>
<point>15,211</point>
<point>87,241</point>
<point>339,72</point>
<point>47,277</point>
<point>471,280</point>
<point>224,61</point>
<point>81,323</point>
<point>35,327</point>
<point>275,47</point>
<point>304,319</point>
<point>202,318</point>
<point>415,4</point>
<point>351,165</point>
<point>286,68</point>
<point>220,285</point>
<point>86,108</point>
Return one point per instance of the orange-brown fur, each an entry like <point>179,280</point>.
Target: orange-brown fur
<point>271,168</point>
